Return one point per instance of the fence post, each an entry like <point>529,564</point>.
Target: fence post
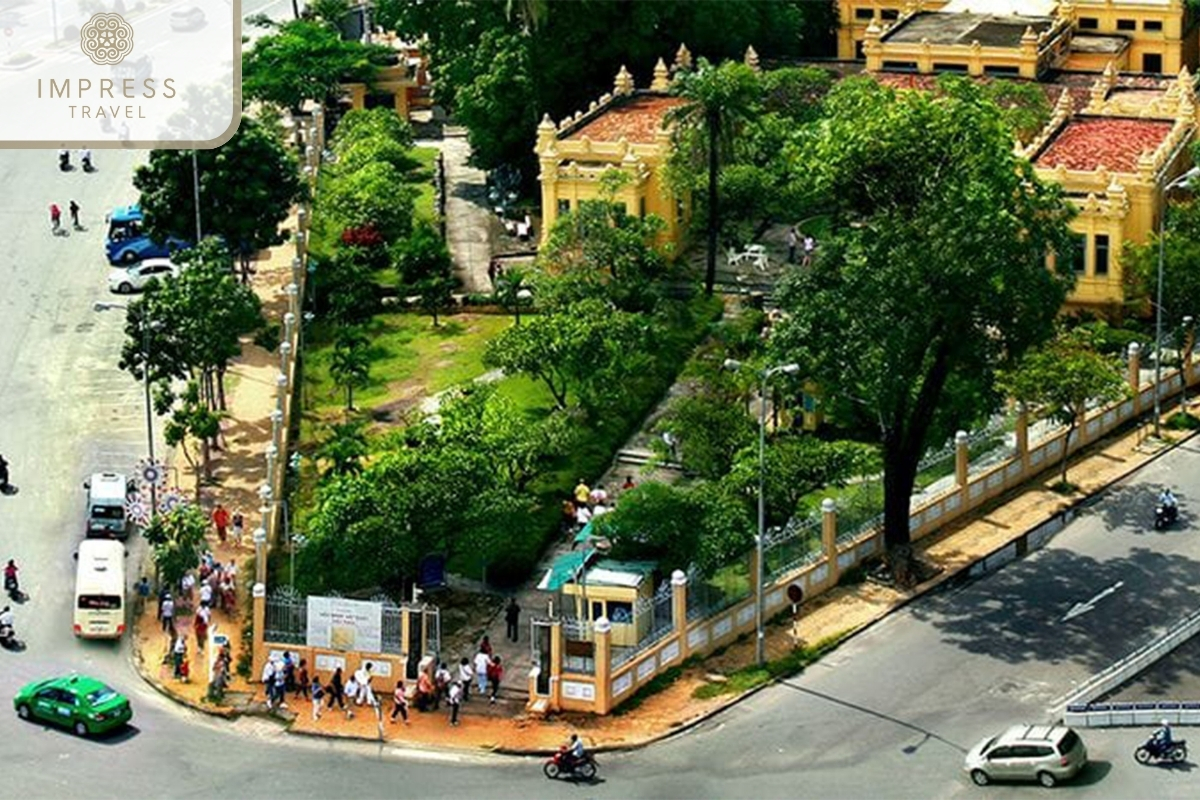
<point>1189,345</point>
<point>1135,376</point>
<point>1023,437</point>
<point>556,659</point>
<point>829,538</point>
<point>962,458</point>
<point>405,641</point>
<point>258,654</point>
<point>679,610</point>
<point>602,634</point>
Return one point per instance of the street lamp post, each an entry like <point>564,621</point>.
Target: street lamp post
<point>1182,180</point>
<point>765,375</point>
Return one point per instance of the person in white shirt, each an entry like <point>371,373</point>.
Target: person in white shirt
<point>465,676</point>
<point>362,677</point>
<point>482,660</point>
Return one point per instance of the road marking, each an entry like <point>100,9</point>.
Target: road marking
<point>1080,609</point>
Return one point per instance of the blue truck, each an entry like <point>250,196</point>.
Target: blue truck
<point>127,241</point>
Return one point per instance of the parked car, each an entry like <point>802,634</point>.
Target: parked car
<point>1043,753</point>
<point>127,280</point>
<point>85,705</point>
<point>187,19</point>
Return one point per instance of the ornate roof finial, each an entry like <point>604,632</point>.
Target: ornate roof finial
<point>751,58</point>
<point>624,82</point>
<point>683,59</point>
<point>662,77</point>
<point>1029,37</point>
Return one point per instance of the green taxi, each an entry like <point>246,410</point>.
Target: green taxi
<point>83,704</point>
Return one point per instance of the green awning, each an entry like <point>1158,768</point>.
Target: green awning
<point>565,569</point>
<point>585,533</point>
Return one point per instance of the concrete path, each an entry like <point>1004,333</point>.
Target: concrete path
<point>469,221</point>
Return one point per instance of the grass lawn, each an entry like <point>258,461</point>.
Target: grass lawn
<point>422,178</point>
<point>410,360</point>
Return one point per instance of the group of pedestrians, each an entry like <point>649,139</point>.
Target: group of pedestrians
<point>809,243</point>
<point>56,217</point>
<point>224,522</point>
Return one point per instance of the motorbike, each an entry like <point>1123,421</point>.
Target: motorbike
<point>86,161</point>
<point>3,476</point>
<point>1155,751</point>
<point>9,640</point>
<point>64,160</point>
<point>1164,516</point>
<point>561,765</point>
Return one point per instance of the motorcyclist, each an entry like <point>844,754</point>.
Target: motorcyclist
<point>10,576</point>
<point>573,753</point>
<point>6,624</point>
<point>3,472</point>
<point>64,159</point>
<point>1169,504</point>
<point>85,158</point>
<point>1161,738</point>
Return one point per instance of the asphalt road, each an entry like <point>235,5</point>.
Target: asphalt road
<point>888,715</point>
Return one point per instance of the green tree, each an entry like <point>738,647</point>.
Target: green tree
<point>306,60</point>
<point>435,292</point>
<point>934,274</point>
<point>1181,267</point>
<point>796,465</point>
<point>1024,107</point>
<point>510,290</point>
<point>679,526</point>
<point>247,188</point>
<point>1060,378</point>
<point>497,106</point>
<point>360,126</point>
<point>192,417</point>
<point>421,256</point>
<point>345,448</point>
<point>176,540</point>
<point>350,362</point>
<point>345,283</point>
<point>711,429</point>
<point>718,100</point>
<point>374,195</point>
<point>588,350</point>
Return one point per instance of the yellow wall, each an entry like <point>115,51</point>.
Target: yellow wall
<point>1168,43</point>
<point>591,603</point>
<point>853,20</point>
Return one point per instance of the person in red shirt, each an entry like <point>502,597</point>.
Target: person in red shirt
<point>220,518</point>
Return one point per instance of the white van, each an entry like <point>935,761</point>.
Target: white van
<point>100,589</point>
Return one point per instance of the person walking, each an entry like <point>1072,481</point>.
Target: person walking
<point>268,682</point>
<point>495,674</point>
<point>316,693</point>
<point>239,527</point>
<point>351,694</point>
<point>201,628</point>
<point>792,241</point>
<point>166,612</point>
<point>55,217</point>
<point>73,208</point>
<point>810,246</point>
<point>337,693</point>
<point>178,654</point>
<point>220,519</point>
<point>281,676</point>
<point>454,698</point>
<point>465,676</point>
<point>363,678</point>
<point>441,684</point>
<point>399,703</point>
<point>512,616</point>
<point>482,660</point>
<point>302,681</point>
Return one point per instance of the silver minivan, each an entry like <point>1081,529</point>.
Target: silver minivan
<point>106,505</point>
<point>1043,753</point>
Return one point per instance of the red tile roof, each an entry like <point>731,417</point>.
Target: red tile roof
<point>1087,143</point>
<point>638,120</point>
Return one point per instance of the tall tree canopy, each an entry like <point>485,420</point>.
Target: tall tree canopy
<point>247,187</point>
<point>545,41</point>
<point>934,274</point>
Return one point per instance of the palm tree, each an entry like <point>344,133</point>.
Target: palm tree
<point>718,100</point>
<point>511,290</point>
<point>350,363</point>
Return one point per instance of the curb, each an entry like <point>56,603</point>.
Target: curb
<point>946,580</point>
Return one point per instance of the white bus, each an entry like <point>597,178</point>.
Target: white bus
<point>100,589</point>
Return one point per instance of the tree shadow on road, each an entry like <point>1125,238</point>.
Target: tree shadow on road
<point>1130,509</point>
<point>1016,615</point>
